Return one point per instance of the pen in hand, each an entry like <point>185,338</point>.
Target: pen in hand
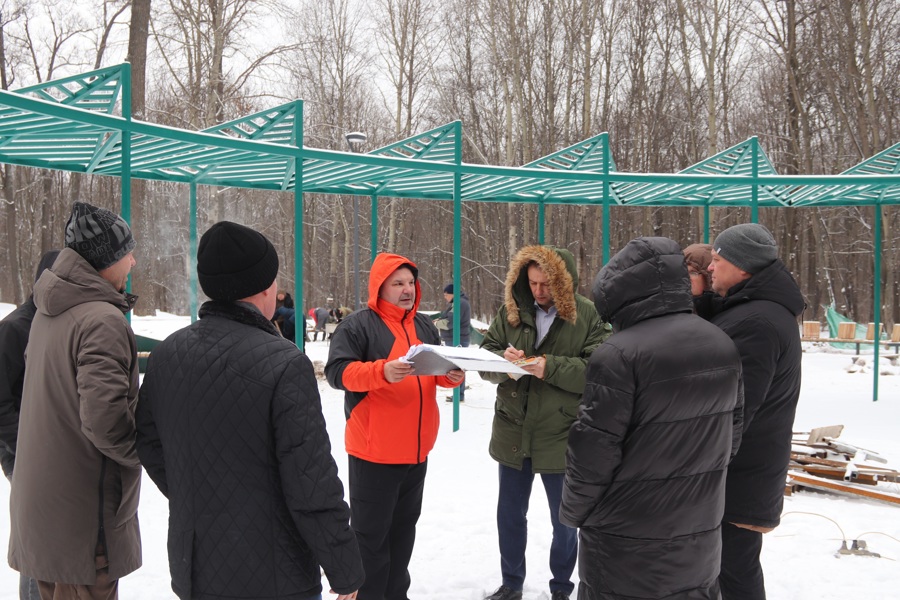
<point>512,354</point>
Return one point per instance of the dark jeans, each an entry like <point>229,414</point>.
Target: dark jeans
<point>385,503</point>
<point>741,577</point>
<point>512,527</point>
<point>28,589</point>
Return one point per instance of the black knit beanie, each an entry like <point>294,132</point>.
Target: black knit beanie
<point>749,246</point>
<point>235,262</point>
<point>101,237</point>
<point>448,289</point>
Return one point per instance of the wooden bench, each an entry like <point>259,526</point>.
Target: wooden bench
<point>847,335</point>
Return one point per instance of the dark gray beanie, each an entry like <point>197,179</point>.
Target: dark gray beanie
<point>749,246</point>
<point>235,262</point>
<point>101,237</point>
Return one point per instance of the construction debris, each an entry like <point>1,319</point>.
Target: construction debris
<point>820,462</point>
<point>858,548</point>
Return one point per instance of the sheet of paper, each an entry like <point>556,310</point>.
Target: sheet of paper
<point>431,359</point>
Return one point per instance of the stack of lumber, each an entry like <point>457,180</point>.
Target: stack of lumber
<point>821,462</point>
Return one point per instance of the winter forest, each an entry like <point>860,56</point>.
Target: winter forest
<point>672,81</point>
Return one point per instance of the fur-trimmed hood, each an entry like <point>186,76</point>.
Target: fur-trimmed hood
<point>559,266</point>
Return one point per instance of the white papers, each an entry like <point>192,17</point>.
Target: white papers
<point>428,359</point>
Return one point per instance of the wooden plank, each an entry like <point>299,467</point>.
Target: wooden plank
<point>857,342</point>
<point>827,485</point>
<point>818,434</point>
<point>803,458</point>
<point>838,474</point>
<point>855,451</point>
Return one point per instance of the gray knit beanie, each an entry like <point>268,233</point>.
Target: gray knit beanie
<point>101,237</point>
<point>749,246</point>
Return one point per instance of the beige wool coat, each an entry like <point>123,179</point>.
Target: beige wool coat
<point>77,475</point>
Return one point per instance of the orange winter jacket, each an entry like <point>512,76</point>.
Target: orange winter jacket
<point>392,423</point>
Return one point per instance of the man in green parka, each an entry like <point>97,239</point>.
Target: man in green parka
<point>544,320</point>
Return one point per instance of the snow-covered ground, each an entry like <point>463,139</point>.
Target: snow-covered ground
<point>456,556</point>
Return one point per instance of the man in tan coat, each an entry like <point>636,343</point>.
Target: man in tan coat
<point>73,504</point>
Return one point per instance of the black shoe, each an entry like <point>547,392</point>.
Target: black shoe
<point>559,595</point>
<point>505,592</point>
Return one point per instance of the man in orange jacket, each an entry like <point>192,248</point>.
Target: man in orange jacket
<point>392,421</point>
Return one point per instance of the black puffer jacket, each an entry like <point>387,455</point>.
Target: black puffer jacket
<point>760,316</point>
<point>230,428</point>
<point>14,331</point>
<point>13,340</point>
<point>660,420</point>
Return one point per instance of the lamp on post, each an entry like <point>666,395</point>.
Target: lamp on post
<point>355,137</point>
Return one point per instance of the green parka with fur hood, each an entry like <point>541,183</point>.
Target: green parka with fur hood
<point>532,416</point>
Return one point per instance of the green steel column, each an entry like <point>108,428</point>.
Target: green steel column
<point>192,257</point>
<point>126,157</point>
<point>374,246</point>
<point>540,219</point>
<point>605,197</point>
<point>877,300</point>
<point>300,302</point>
<point>706,223</point>
<point>754,191</point>
<point>457,250</point>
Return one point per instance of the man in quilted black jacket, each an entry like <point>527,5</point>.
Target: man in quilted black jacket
<point>230,428</point>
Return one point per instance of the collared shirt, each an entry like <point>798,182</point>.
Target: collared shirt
<point>543,321</point>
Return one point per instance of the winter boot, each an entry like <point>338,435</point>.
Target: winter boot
<point>505,592</point>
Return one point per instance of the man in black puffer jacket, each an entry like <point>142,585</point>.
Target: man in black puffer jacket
<point>230,428</point>
<point>659,423</point>
<point>758,308</point>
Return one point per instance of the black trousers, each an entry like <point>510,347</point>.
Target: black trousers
<point>741,577</point>
<point>385,503</point>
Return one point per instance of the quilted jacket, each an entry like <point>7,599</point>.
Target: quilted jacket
<point>647,457</point>
<point>230,429</point>
<point>388,423</point>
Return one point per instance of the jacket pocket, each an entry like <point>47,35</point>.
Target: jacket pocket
<point>131,492</point>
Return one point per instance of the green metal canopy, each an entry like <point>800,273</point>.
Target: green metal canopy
<point>83,124</point>
<point>70,124</point>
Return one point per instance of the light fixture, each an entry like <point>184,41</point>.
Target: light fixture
<point>355,137</point>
